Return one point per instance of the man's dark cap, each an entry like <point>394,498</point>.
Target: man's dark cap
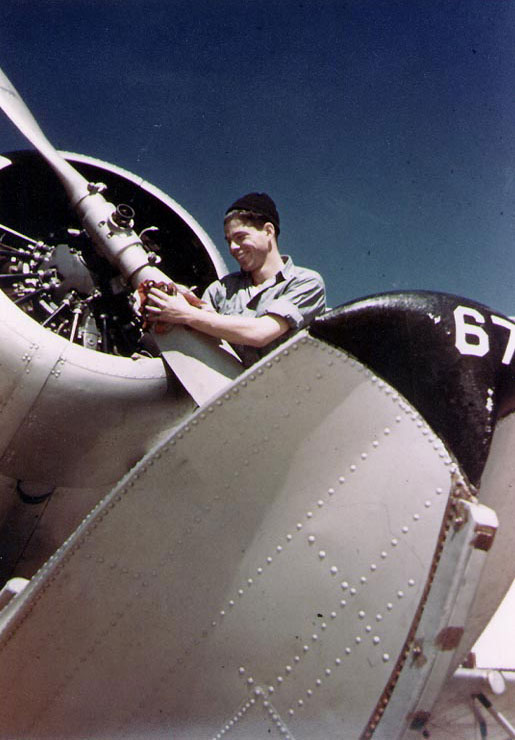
<point>260,204</point>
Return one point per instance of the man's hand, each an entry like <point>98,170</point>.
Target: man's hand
<point>172,309</point>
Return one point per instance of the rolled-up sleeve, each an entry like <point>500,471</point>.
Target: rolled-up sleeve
<point>302,301</point>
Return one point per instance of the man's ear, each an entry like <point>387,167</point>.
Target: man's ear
<point>269,229</point>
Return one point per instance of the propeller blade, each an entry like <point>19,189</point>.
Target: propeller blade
<point>15,108</point>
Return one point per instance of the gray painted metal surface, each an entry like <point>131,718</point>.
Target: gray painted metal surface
<point>73,416</point>
<point>255,576</point>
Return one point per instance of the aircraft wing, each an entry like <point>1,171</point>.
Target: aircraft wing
<point>268,570</point>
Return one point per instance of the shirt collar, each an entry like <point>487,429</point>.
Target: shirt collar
<point>283,272</point>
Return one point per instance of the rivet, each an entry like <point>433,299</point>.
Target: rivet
<point>400,594</point>
<point>338,661</point>
<point>231,603</point>
<point>279,548</point>
<point>416,517</point>
<point>309,692</point>
<point>288,669</point>
<point>357,640</point>
<point>318,682</point>
<point>250,681</point>
<point>300,702</point>
<point>368,628</point>
<point>331,491</point>
<point>279,679</point>
<point>333,615</point>
<point>352,468</point>
<point>344,585</point>
<point>291,712</point>
<point>240,592</point>
<point>389,606</point>
<point>386,657</point>
<point>387,430</point>
<point>305,648</point>
<point>296,659</point>
<point>353,591</point>
<point>241,670</point>
<point>341,479</point>
<point>289,537</point>
<point>375,443</point>
<point>271,689</point>
<point>322,554</point>
<point>363,579</point>
<point>397,419</point>
<point>364,455</point>
<point>334,570</point>
<point>361,614</point>
<point>427,504</point>
<point>395,542</point>
<point>376,640</point>
<point>269,559</point>
<point>309,514</point>
<point>323,626</point>
<point>299,526</point>
<point>373,567</point>
<point>222,613</point>
<point>439,491</point>
<point>348,651</point>
<point>405,530</point>
<point>411,582</point>
<point>320,503</point>
<point>328,671</point>
<point>379,617</point>
<point>314,637</point>
<point>250,581</point>
<point>259,570</point>
<point>343,603</point>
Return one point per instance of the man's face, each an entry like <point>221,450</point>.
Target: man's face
<point>249,245</point>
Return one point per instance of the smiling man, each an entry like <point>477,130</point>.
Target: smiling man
<point>262,304</point>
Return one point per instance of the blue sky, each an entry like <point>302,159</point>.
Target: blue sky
<point>382,128</point>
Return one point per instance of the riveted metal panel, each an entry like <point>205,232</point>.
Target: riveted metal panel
<point>258,573</point>
<point>72,416</point>
<point>437,643</point>
<point>25,362</point>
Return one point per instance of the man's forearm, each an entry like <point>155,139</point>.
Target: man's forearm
<point>247,330</point>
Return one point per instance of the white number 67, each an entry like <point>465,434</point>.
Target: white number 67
<point>471,337</point>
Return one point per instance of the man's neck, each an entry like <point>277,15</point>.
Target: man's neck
<point>269,270</point>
